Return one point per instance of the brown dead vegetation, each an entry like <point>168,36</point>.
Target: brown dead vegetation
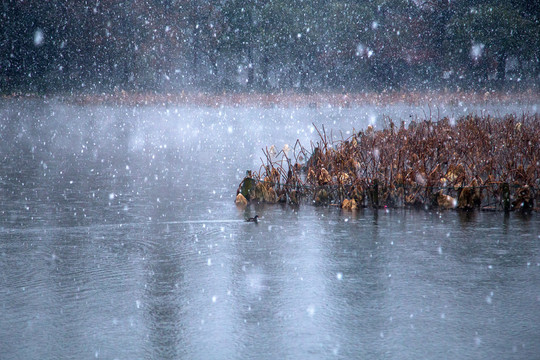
<point>476,162</point>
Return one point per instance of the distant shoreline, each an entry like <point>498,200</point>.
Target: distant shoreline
<point>289,99</point>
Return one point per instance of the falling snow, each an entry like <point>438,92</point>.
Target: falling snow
<point>127,127</point>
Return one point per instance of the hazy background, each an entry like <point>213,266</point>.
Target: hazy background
<point>65,46</point>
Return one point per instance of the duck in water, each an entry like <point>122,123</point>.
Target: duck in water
<point>254,219</point>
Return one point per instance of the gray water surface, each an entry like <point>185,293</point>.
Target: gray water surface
<point>119,239</point>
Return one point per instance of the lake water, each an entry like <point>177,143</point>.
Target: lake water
<point>119,239</point>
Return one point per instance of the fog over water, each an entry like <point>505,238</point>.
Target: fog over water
<point>119,239</point>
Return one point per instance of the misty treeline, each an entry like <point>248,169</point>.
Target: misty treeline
<point>240,45</point>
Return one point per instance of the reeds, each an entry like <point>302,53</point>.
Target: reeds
<point>290,99</point>
<point>474,162</point>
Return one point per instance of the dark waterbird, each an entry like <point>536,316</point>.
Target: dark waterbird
<point>254,219</point>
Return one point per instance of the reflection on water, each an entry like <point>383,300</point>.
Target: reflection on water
<point>119,239</point>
